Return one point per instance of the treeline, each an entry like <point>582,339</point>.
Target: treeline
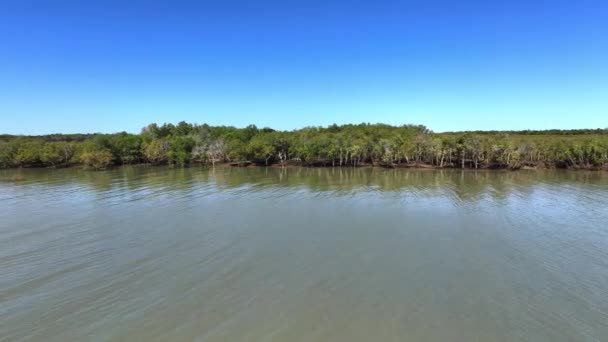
<point>346,145</point>
<point>596,131</point>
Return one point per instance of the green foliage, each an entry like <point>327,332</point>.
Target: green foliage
<point>28,154</point>
<point>262,148</point>
<point>157,151</point>
<point>180,149</point>
<point>345,145</point>
<point>96,159</point>
<point>57,153</point>
<point>7,152</point>
<point>126,148</point>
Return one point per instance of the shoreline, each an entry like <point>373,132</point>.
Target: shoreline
<point>291,165</point>
<point>378,145</point>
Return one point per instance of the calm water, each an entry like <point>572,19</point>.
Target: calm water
<point>155,254</point>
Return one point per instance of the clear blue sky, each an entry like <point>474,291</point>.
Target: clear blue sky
<point>107,66</point>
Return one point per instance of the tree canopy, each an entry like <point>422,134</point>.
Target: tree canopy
<point>335,145</point>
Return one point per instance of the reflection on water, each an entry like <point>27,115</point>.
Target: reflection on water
<point>302,254</point>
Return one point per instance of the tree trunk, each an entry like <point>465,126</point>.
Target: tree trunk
<point>462,160</point>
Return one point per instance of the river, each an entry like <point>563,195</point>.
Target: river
<point>301,254</point>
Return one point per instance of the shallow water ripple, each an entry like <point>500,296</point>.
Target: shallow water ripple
<point>229,254</point>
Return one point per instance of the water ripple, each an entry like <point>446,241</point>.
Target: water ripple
<point>155,254</point>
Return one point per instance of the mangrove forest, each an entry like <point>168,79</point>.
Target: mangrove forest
<point>333,146</point>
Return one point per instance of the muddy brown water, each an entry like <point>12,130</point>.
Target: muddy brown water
<point>301,254</point>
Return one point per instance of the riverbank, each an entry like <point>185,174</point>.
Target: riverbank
<point>419,166</point>
<point>329,164</point>
<point>406,146</point>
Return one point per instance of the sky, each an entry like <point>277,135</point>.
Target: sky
<point>109,66</point>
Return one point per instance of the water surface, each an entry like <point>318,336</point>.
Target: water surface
<point>159,254</point>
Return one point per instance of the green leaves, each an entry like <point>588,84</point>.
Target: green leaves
<point>345,145</point>
<point>96,159</point>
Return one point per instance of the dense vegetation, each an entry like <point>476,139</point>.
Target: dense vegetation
<point>347,145</point>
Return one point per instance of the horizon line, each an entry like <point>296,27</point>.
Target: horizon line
<point>313,126</point>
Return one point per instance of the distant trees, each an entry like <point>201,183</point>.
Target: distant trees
<point>6,154</point>
<point>157,151</point>
<point>126,148</point>
<point>96,153</point>
<point>345,145</point>
<point>96,159</point>
<point>56,153</point>
<point>28,153</point>
<point>180,149</point>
